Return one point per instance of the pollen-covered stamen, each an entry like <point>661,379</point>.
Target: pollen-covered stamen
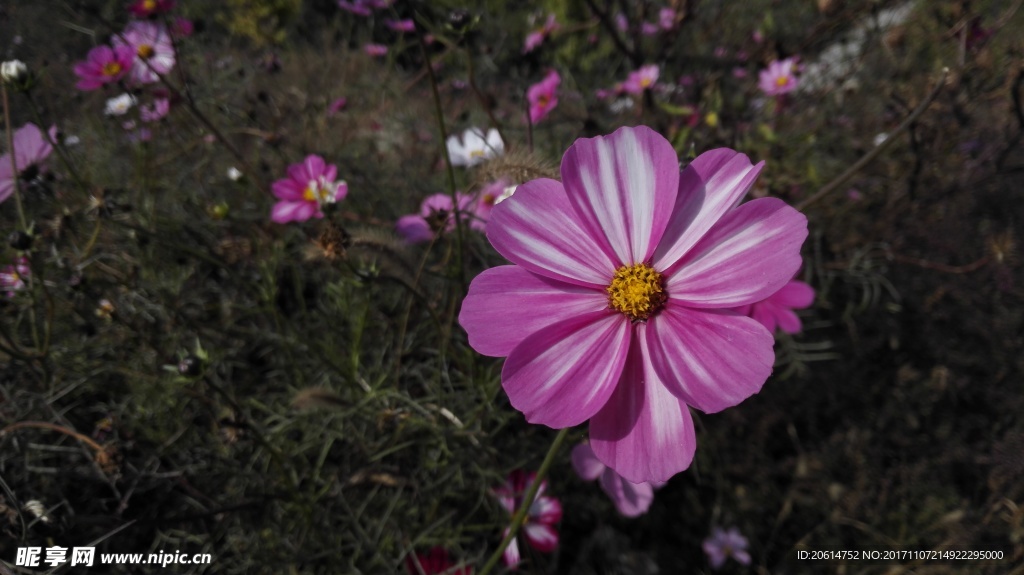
<point>111,69</point>
<point>145,51</point>
<point>637,291</point>
<point>321,191</point>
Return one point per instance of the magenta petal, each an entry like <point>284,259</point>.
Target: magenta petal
<point>711,359</point>
<point>623,187</point>
<point>545,510</point>
<point>285,211</point>
<point>30,147</point>
<point>288,189</point>
<point>750,254</point>
<point>788,321</point>
<point>414,229</point>
<point>562,375</point>
<point>795,294</point>
<point>506,304</point>
<point>631,499</point>
<point>586,464</point>
<point>542,537</point>
<point>511,553</point>
<point>537,229</point>
<point>766,314</point>
<point>644,432</point>
<point>710,186</point>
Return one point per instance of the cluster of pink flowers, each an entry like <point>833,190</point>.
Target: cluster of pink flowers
<point>666,21</point>
<point>620,305</point>
<point>543,96</point>
<point>544,514</point>
<point>310,186</point>
<point>536,38</point>
<point>31,148</point>
<point>139,54</point>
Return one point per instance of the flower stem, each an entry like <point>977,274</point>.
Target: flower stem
<point>520,516</point>
<point>14,162</point>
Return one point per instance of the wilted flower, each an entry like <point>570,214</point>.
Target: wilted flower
<point>544,513</point>
<point>436,215</point>
<point>619,306</point>
<point>30,149</point>
<point>474,147</point>
<point>152,45</point>
<point>12,277</point>
<point>631,499</point>
<point>310,186</point>
<point>779,77</point>
<point>776,311</point>
<point>434,562</point>
<point>543,96</point>
<point>724,544</point>
<point>103,65</point>
<point>120,105</point>
<point>641,79</point>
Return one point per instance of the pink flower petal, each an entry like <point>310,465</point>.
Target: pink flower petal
<point>547,510</point>
<point>310,169</point>
<point>787,320</point>
<point>414,229</point>
<point>562,375</point>
<point>750,254</point>
<point>537,229</point>
<point>709,187</point>
<point>643,433</point>
<point>542,537</point>
<point>586,464</point>
<point>288,189</point>
<point>631,499</point>
<point>623,187</point>
<point>711,359</point>
<point>795,294</point>
<point>511,553</point>
<point>506,304</point>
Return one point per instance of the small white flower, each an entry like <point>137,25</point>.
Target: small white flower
<point>234,174</point>
<point>880,139</point>
<point>120,105</point>
<point>72,141</point>
<point>474,147</point>
<point>13,71</point>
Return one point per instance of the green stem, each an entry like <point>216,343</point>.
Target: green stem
<point>520,516</point>
<point>14,162</point>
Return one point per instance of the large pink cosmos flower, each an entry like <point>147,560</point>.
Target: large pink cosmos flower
<point>152,44</point>
<point>434,562</point>
<point>310,185</point>
<point>777,310</point>
<point>779,77</point>
<point>631,499</point>
<point>31,148</point>
<point>437,215</point>
<point>103,65</point>
<point>545,512</point>
<point>543,96</point>
<point>618,306</point>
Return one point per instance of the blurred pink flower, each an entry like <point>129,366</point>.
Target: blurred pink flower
<point>618,308</point>
<point>363,7</point>
<point>434,562</point>
<point>724,544</point>
<point>667,18</point>
<point>337,106</point>
<point>146,8</point>
<point>641,79</point>
<point>545,512</point>
<point>375,50</point>
<point>406,25</point>
<point>543,96</point>
<point>537,37</point>
<point>489,196</point>
<point>649,28</point>
<point>436,215</point>
<point>182,27</point>
<point>12,277</point>
<point>621,22</point>
<point>779,77</point>
<point>776,311</point>
<point>152,44</point>
<point>30,150</point>
<point>631,499</point>
<point>309,187</point>
<point>155,111</point>
<point>104,65</point>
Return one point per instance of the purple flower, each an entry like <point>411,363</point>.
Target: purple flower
<point>103,65</point>
<point>337,106</point>
<point>12,277</point>
<point>156,111</point>
<point>779,77</point>
<point>545,512</point>
<point>724,544</point>
<point>151,43</point>
<point>667,18</point>
<point>641,79</point>
<point>543,96</point>
<point>31,148</point>
<point>375,50</point>
<point>310,185</point>
<point>619,305</point>
<point>631,499</point>
<point>436,215</point>
<point>406,25</point>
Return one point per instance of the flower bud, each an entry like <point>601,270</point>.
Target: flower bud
<point>14,71</point>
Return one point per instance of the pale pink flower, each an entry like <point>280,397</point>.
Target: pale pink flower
<point>779,77</point>
<point>434,562</point>
<point>545,512</point>
<point>649,28</point>
<point>152,45</point>
<point>363,7</point>
<point>375,50</point>
<point>12,277</point>
<point>436,216</point>
<point>667,18</point>
<point>641,79</point>
<point>631,499</point>
<point>619,305</point>
<point>537,37</point>
<point>147,8</point>
<point>776,311</point>
<point>621,22</point>
<point>155,111</point>
<point>310,186</point>
<point>182,27</point>
<point>543,96</point>
<point>104,65</point>
<point>31,149</point>
<point>724,544</point>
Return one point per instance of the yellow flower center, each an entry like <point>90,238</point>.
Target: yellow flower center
<point>149,4</point>
<point>637,291</point>
<point>146,51</point>
<point>645,83</point>
<point>543,100</point>
<point>111,69</point>
<point>781,81</point>
<point>476,154</point>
